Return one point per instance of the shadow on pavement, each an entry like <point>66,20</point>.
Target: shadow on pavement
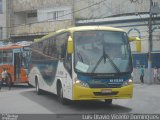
<point>15,87</point>
<point>50,101</point>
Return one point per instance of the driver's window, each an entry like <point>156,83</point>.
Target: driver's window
<point>68,63</point>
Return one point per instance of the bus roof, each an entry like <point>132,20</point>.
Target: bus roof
<point>8,47</point>
<point>49,35</point>
<point>80,28</point>
<point>84,28</point>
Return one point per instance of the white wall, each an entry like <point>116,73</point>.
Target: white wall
<point>45,14</point>
<point>19,18</point>
<point>31,20</point>
<point>25,5</point>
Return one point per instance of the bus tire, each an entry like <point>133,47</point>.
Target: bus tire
<point>9,81</point>
<point>61,99</point>
<point>38,90</point>
<point>108,101</point>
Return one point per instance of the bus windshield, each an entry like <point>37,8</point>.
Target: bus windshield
<point>102,52</point>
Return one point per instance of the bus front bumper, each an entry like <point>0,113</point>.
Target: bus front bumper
<point>83,93</point>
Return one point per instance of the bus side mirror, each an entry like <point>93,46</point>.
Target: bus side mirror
<point>138,42</point>
<point>70,45</point>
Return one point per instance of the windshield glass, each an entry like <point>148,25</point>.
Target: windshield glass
<point>102,52</point>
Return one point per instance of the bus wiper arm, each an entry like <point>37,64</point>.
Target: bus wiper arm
<point>113,64</point>
<point>80,56</point>
<point>105,56</point>
<point>99,61</point>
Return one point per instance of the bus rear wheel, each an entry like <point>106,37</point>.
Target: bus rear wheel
<point>38,90</point>
<point>108,101</point>
<point>61,99</point>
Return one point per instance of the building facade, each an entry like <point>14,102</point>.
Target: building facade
<point>35,18</point>
<point>4,21</point>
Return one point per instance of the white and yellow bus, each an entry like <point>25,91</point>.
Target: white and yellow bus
<point>83,63</point>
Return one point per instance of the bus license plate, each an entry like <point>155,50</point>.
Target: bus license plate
<point>106,90</point>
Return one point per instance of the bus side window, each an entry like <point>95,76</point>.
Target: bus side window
<point>50,47</point>
<point>53,49</point>
<point>38,46</point>
<point>46,47</point>
<point>61,41</point>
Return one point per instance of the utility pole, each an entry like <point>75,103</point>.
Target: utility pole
<point>154,10</point>
<point>73,11</point>
<point>150,44</point>
<point>1,33</point>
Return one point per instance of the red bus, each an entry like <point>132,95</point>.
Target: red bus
<point>15,59</point>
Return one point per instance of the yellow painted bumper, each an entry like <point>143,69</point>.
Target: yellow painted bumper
<point>83,93</point>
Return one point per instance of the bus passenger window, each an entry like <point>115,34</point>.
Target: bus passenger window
<point>63,50</point>
<point>61,41</point>
<point>50,48</point>
<point>46,47</point>
<point>53,49</point>
<point>39,45</point>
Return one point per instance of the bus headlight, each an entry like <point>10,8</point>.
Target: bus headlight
<point>81,83</point>
<point>127,82</point>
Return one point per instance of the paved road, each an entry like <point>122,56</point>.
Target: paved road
<point>24,100</point>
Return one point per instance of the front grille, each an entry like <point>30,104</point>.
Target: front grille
<point>105,85</point>
<point>103,94</point>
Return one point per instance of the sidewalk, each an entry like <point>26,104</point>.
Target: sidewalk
<point>5,88</point>
<point>136,77</point>
<point>152,82</point>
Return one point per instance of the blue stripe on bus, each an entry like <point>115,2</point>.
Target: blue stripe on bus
<point>107,82</point>
<point>48,70</point>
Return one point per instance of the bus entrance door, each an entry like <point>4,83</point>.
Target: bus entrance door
<point>17,65</point>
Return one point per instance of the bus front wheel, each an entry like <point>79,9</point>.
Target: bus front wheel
<point>60,95</point>
<point>108,101</point>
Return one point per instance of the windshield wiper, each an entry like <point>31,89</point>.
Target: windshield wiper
<point>105,56</point>
<point>80,56</point>
<point>113,64</point>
